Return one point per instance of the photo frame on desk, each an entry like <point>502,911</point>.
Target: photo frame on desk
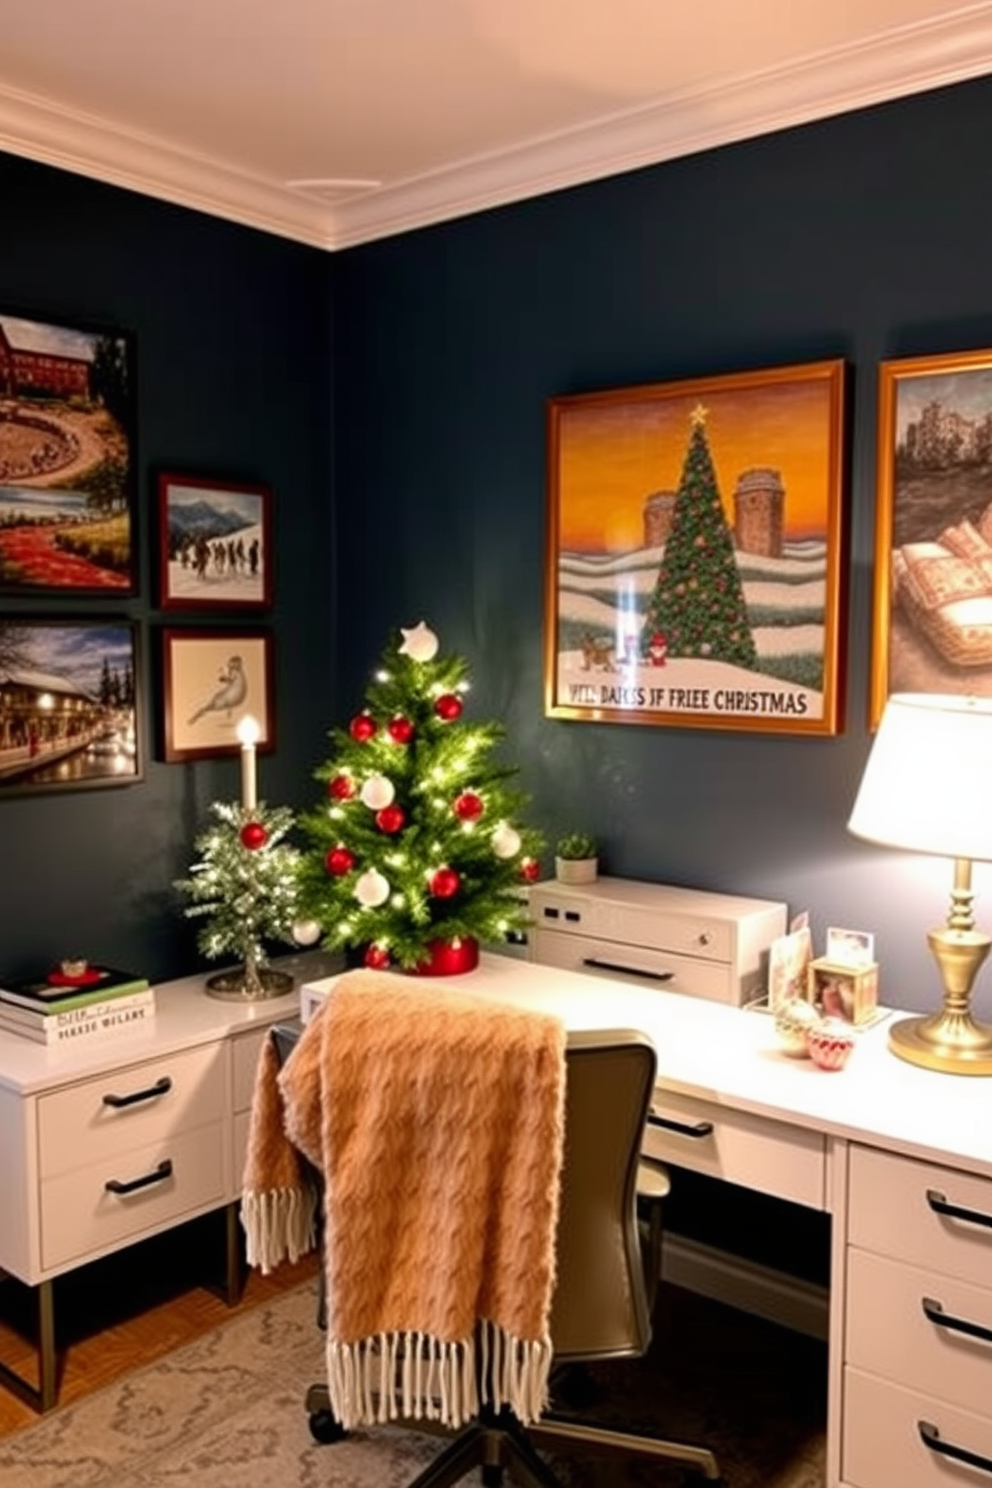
<point>215,544</point>
<point>67,523</point>
<point>696,553</point>
<point>932,629</point>
<point>211,680</point>
<point>69,704</point>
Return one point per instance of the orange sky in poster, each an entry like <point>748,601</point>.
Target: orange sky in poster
<point>613,455</point>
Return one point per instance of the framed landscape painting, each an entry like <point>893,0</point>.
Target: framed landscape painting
<point>695,558</point>
<point>933,528</point>
<point>66,459</point>
<point>215,544</point>
<point>68,704</point>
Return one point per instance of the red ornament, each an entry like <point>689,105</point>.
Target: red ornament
<point>253,836</point>
<point>362,728</point>
<point>390,819</point>
<point>448,707</point>
<point>468,806</point>
<point>400,729</point>
<point>376,957</point>
<point>341,788</point>
<point>339,861</point>
<point>530,870</point>
<point>448,957</point>
<point>445,883</point>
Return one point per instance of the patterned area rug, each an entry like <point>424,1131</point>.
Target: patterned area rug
<point>228,1410</point>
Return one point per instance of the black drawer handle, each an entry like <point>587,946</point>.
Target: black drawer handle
<point>683,1128</point>
<point>930,1437</point>
<point>652,976</point>
<point>118,1186</point>
<point>941,1319</point>
<point>161,1087</point>
<point>940,1205</point>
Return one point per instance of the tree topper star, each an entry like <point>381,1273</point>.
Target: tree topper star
<point>698,416</point>
<point>420,643</point>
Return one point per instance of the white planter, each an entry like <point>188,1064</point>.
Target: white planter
<point>576,870</point>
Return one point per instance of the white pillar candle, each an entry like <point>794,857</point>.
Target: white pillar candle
<point>248,732</point>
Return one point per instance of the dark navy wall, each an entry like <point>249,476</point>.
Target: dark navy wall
<point>233,355</point>
<point>866,237</point>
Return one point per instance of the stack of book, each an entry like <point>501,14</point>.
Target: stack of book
<point>66,1009</point>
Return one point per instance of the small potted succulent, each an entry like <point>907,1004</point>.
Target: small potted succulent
<point>576,858</point>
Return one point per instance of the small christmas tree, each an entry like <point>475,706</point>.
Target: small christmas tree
<point>697,607</point>
<point>419,853</point>
<point>247,883</point>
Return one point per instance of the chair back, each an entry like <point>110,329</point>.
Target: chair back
<point>600,1305</point>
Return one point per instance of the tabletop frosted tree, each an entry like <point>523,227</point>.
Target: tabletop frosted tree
<point>419,852</point>
<point>245,885</point>
<point>697,608</point>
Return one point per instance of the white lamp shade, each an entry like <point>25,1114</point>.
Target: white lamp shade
<point>927,785</point>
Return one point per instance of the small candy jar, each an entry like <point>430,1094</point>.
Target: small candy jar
<point>830,1044</point>
<point>794,1022</point>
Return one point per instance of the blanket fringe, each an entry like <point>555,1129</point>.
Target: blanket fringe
<point>414,1376</point>
<point>279,1225</point>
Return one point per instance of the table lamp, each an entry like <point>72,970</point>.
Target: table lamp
<point>927,787</point>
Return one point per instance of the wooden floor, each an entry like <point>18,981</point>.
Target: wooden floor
<point>128,1310</point>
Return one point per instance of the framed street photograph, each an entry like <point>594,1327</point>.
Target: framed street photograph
<point>932,629</point>
<point>68,704</point>
<point>211,680</point>
<point>696,553</point>
<point>215,544</point>
<point>66,459</point>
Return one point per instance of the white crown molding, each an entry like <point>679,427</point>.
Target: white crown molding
<point>907,60</point>
<point>78,142</point>
<point>904,61</point>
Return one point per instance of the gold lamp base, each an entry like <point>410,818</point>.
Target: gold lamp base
<point>951,1041</point>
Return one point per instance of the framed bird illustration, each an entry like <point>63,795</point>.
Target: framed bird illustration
<point>211,680</point>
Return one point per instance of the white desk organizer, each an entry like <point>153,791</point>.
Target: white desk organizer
<point>682,940</point>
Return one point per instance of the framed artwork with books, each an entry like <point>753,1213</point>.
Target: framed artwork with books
<point>932,628</point>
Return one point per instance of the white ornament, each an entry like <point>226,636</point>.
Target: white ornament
<point>306,932</point>
<point>372,889</point>
<point>420,643</point>
<point>506,842</point>
<point>377,792</point>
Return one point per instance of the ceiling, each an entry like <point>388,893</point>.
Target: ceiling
<point>335,122</point>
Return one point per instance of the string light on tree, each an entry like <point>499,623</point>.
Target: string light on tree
<point>431,875</point>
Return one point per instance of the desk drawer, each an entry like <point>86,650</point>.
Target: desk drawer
<point>890,1334</point>
<point>80,1217</point>
<point>898,1207</point>
<point>642,965</point>
<point>882,1447</point>
<point>787,1162</point>
<point>126,1108</point>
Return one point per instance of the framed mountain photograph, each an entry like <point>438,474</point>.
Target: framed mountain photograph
<point>215,544</point>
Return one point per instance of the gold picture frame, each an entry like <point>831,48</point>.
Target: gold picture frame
<point>696,552</point>
<point>932,623</point>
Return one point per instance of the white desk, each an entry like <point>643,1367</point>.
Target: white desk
<point>107,1143</point>
<point>884,1147</point>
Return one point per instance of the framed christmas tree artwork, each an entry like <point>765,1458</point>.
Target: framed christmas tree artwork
<point>696,551</point>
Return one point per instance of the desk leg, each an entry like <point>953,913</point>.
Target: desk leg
<point>40,1397</point>
<point>234,1266</point>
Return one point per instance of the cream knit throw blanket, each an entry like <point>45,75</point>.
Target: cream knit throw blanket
<point>437,1122</point>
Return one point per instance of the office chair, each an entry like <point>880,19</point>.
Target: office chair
<point>607,1264</point>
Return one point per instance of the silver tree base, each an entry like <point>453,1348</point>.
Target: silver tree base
<point>249,985</point>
